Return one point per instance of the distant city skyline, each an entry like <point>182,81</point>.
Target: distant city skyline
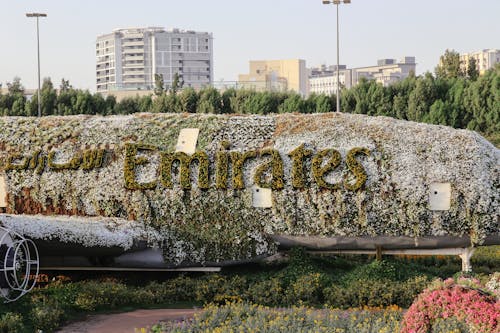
<point>246,30</point>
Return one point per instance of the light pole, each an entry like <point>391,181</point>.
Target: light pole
<point>37,15</point>
<point>337,3</point>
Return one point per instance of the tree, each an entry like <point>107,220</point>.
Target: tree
<point>14,101</point>
<point>65,86</point>
<point>227,96</point>
<point>210,101</point>
<point>165,103</point>
<point>438,113</point>
<point>188,100</point>
<point>127,105</point>
<point>421,98</point>
<point>83,103</point>
<point>98,104</point>
<point>472,71</point>
<point>322,103</point>
<point>66,99</point>
<point>482,101</point>
<point>110,104</point>
<point>15,87</point>
<point>449,65</point>
<point>293,103</point>
<point>177,84</point>
<point>144,103</point>
<point>159,85</point>
<point>361,95</point>
<point>49,98</point>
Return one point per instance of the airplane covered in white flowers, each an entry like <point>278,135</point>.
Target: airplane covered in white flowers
<point>170,191</point>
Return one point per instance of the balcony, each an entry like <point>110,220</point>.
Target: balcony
<point>133,51</point>
<point>131,58</point>
<point>133,80</point>
<point>133,43</point>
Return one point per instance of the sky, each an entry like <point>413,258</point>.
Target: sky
<point>245,30</point>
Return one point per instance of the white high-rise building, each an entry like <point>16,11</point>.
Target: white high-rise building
<point>128,59</point>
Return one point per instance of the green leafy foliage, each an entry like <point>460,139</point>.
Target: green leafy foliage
<point>452,97</point>
<point>11,323</point>
<point>449,65</point>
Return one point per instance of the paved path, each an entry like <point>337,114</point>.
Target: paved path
<point>126,322</point>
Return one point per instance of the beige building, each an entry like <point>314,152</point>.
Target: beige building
<point>485,59</point>
<point>28,93</point>
<point>276,75</point>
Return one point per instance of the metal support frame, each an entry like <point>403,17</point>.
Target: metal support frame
<point>128,269</point>
<point>465,256</point>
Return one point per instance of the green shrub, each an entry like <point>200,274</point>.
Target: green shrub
<point>375,270</point>
<point>340,297</point>
<point>307,289</point>
<point>375,293</point>
<point>408,290</point>
<point>179,289</point>
<point>209,101</point>
<point>188,100</point>
<point>46,318</point>
<point>217,287</point>
<point>11,323</point>
<point>266,292</point>
<point>300,264</point>
<point>103,294</point>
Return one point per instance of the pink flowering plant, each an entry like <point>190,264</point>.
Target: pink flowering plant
<point>463,299</point>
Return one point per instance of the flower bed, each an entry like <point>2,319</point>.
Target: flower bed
<point>243,317</point>
<point>464,300</point>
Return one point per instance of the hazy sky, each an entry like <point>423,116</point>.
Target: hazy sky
<point>245,30</point>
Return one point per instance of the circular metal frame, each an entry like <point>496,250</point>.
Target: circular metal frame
<point>19,265</point>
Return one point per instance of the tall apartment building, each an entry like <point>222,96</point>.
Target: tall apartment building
<point>128,59</point>
<point>278,75</point>
<point>386,72</point>
<point>485,59</point>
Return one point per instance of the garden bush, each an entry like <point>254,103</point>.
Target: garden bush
<point>463,299</point>
<point>266,292</point>
<point>306,290</point>
<point>46,318</point>
<point>376,293</point>
<point>103,294</point>
<point>178,289</point>
<point>11,323</point>
<point>217,287</point>
<point>375,270</point>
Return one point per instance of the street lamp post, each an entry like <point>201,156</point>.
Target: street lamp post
<point>337,3</point>
<point>37,15</point>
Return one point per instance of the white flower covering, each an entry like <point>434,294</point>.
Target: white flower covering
<point>89,232</point>
<point>214,224</point>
